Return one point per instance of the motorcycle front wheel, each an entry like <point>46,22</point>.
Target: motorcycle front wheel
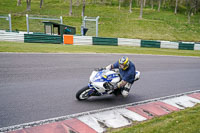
<point>83,93</point>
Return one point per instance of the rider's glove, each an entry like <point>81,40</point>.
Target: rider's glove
<point>118,85</point>
<point>109,67</point>
<point>100,69</point>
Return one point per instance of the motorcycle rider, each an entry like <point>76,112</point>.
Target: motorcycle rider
<point>127,72</point>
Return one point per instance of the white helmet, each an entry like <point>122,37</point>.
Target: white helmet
<point>124,63</point>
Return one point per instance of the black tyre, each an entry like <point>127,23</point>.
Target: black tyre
<point>82,94</point>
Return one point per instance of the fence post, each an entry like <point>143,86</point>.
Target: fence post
<point>27,23</point>
<point>97,21</point>
<point>10,23</point>
<point>84,21</point>
<point>61,19</point>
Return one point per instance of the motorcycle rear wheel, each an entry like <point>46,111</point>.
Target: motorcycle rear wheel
<point>83,94</point>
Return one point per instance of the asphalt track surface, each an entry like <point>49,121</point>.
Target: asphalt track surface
<point>40,86</point>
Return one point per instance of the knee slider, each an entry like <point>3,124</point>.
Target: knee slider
<point>125,92</point>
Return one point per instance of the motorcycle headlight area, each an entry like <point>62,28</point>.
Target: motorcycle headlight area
<point>103,76</point>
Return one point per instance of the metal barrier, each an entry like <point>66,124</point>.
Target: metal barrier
<point>27,20</point>
<point>8,19</point>
<point>94,19</point>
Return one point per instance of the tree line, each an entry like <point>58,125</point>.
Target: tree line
<point>192,6</point>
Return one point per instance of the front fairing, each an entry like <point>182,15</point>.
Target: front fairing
<point>98,78</point>
<point>103,76</point>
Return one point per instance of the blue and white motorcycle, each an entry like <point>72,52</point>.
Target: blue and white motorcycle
<point>101,82</point>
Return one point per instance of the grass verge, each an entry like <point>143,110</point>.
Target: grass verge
<point>163,25</point>
<point>57,48</point>
<point>185,121</point>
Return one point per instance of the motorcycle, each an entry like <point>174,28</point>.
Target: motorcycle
<point>101,82</point>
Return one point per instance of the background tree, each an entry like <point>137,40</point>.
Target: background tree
<point>28,3</point>
<point>83,9</point>
<point>152,4</point>
<point>77,3</point>
<point>137,3</point>
<point>70,8</point>
<point>164,3</point>
<point>176,6</point>
<point>196,6</point>
<point>102,1</point>
<point>159,4</point>
<point>144,3</point>
<point>119,4</point>
<point>130,8</point>
<point>141,9</point>
<point>18,2</point>
<point>190,4</point>
<point>41,3</point>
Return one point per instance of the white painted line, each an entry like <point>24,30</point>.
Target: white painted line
<point>182,102</point>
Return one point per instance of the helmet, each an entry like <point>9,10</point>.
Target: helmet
<point>124,63</point>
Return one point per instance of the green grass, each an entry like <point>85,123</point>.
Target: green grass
<point>58,48</point>
<point>186,121</point>
<point>113,22</point>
